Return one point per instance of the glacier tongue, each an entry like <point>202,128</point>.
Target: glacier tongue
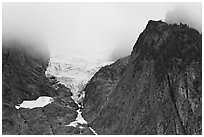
<point>74,73</point>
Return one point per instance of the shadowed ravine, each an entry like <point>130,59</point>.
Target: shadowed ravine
<point>75,77</point>
<point>80,120</point>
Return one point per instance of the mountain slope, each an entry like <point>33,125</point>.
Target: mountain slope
<point>101,85</point>
<point>23,78</point>
<point>160,91</point>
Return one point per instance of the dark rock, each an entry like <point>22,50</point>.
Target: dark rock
<point>36,121</point>
<point>87,132</point>
<point>23,75</point>
<point>100,86</point>
<point>159,91</point>
<point>23,78</point>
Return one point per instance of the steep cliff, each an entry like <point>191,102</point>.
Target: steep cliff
<point>100,87</point>
<point>159,91</point>
<point>22,73</point>
<point>23,78</point>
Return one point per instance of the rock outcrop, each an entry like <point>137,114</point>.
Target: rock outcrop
<point>159,90</point>
<point>23,78</point>
<point>100,87</point>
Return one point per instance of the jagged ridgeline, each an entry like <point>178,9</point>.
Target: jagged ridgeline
<point>23,78</point>
<point>157,90</point>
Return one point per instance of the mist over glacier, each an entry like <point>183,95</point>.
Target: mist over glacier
<point>97,31</point>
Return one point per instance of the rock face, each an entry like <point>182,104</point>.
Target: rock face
<point>23,78</point>
<point>159,90</point>
<point>100,87</point>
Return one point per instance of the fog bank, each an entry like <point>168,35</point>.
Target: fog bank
<point>100,31</point>
<point>187,15</point>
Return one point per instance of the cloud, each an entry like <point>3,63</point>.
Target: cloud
<point>92,30</point>
<point>121,50</point>
<point>186,15</point>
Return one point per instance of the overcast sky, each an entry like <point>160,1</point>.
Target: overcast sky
<point>90,29</point>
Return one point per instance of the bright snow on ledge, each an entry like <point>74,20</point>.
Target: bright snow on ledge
<point>40,102</point>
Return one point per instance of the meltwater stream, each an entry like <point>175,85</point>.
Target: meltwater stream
<point>80,120</point>
<point>74,74</point>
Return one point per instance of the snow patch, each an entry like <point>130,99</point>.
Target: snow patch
<point>40,102</point>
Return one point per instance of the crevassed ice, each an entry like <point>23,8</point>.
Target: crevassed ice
<point>74,73</point>
<point>40,102</point>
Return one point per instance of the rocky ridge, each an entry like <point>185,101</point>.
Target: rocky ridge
<point>159,90</point>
